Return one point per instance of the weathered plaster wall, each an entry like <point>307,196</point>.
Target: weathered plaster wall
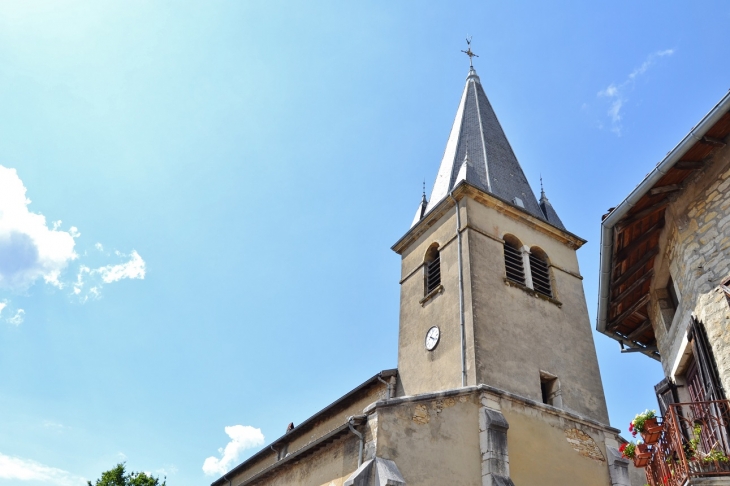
<point>440,439</point>
<point>330,466</point>
<point>695,251</point>
<point>552,450</point>
<point>421,371</point>
<point>433,442</point>
<point>320,427</point>
<point>511,335</point>
<point>518,335</point>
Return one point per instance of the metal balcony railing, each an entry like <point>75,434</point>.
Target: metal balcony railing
<point>695,442</point>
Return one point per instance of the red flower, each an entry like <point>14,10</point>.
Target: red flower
<point>631,427</point>
<point>621,449</point>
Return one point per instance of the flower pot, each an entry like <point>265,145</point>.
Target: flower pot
<point>652,431</point>
<point>642,456</point>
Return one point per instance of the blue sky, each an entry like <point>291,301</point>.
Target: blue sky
<point>230,176</point>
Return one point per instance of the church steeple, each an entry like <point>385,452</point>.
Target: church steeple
<point>492,165</point>
<point>493,273</point>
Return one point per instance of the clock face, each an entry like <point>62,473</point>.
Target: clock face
<point>432,338</point>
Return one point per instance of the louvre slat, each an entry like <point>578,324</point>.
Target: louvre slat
<point>540,276</point>
<point>514,264</point>
<point>433,274</point>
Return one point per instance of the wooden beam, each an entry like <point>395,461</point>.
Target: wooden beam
<point>642,214</point>
<point>643,327</point>
<point>624,252</point>
<point>715,142</point>
<point>635,267</point>
<point>687,165</point>
<point>650,351</point>
<point>627,313</point>
<point>632,287</point>
<point>640,350</point>
<point>662,189</point>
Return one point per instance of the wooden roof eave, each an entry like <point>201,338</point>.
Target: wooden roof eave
<point>647,203</point>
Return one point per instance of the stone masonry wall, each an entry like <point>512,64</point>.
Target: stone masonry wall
<point>696,253</point>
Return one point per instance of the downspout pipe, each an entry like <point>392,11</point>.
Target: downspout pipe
<point>461,289</point>
<point>360,436</point>
<point>607,226</point>
<point>388,385</point>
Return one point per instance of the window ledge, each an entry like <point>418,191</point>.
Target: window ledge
<point>431,295</point>
<point>532,292</point>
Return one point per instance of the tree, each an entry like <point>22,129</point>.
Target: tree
<point>118,477</point>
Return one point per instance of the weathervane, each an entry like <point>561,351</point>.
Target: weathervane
<point>469,52</point>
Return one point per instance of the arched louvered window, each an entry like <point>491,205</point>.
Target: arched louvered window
<point>540,270</point>
<point>513,259</point>
<point>432,274</point>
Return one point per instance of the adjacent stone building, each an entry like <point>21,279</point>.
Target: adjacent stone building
<point>665,267</point>
<point>497,380</point>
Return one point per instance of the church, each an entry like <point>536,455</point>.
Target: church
<point>497,380</point>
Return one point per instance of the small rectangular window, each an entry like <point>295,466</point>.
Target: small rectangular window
<point>545,389</point>
<point>550,390</point>
<point>672,294</point>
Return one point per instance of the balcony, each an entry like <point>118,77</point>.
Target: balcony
<point>694,444</point>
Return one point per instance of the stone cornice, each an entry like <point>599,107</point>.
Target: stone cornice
<point>466,190</point>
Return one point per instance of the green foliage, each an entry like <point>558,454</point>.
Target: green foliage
<point>715,456</point>
<point>118,477</point>
<point>638,423</point>
<point>628,450</point>
<point>690,448</point>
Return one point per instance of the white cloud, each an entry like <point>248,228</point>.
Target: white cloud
<point>168,470</point>
<point>242,437</point>
<point>32,250</point>
<point>29,249</point>
<point>18,318</point>
<point>18,314</point>
<point>617,94</point>
<point>15,468</point>
<point>95,278</point>
<point>134,268</point>
<point>55,426</point>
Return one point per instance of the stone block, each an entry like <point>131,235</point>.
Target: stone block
<point>493,445</point>
<point>618,467</point>
<point>722,187</point>
<point>496,480</point>
<point>705,227</point>
<point>709,236</point>
<point>376,472</point>
<point>723,221</point>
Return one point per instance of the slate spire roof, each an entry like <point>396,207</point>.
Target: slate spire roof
<point>547,209</point>
<point>478,151</point>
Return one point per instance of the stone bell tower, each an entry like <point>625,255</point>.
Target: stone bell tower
<point>491,292</point>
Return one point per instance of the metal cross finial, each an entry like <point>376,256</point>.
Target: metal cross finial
<point>469,52</point>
